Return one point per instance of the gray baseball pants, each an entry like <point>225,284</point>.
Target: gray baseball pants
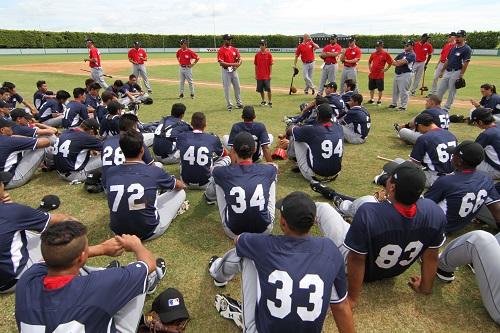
<point>448,83</point>
<point>400,89</point>
<point>186,74</point>
<point>349,208</point>
<point>408,135</point>
<point>481,249</point>
<point>98,75</point>
<point>349,73</point>
<point>210,186</point>
<point>26,168</point>
<point>54,122</point>
<point>139,70</point>
<point>167,206</point>
<point>418,69</point>
<point>229,78</point>
<point>173,158</point>
<point>488,169</point>
<point>307,73</point>
<point>94,163</point>
<point>328,74</point>
<point>351,136</point>
<point>436,78</point>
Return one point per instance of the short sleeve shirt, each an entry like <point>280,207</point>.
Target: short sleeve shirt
<point>263,62</point>
<point>490,140</point>
<point>378,61</point>
<point>258,131</point>
<point>12,149</point>
<point>305,51</point>
<point>430,150</point>
<point>185,56</point>
<point>335,48</point>
<point>458,56</point>
<point>422,50</point>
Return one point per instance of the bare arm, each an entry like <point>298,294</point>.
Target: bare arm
<point>111,247</point>
<point>423,284</point>
<point>355,275</point>
<point>295,61</point>
<point>428,59</point>
<point>342,314</point>
<point>56,218</point>
<point>42,143</point>
<point>464,68</point>
<point>131,243</point>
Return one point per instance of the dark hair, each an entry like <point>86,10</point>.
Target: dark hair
<point>350,84</point>
<point>131,143</point>
<point>118,83</point>
<point>132,76</point>
<point>320,100</point>
<point>77,92</point>
<point>107,96</point>
<point>40,83</point>
<point>62,243</point>
<point>95,86</point>
<point>198,120</point>
<point>88,82</point>
<point>3,91</point>
<point>62,94</point>
<point>114,107</point>
<point>127,122</point>
<point>435,99</point>
<point>8,85</point>
<point>491,87</point>
<point>357,98</point>
<point>178,109</point>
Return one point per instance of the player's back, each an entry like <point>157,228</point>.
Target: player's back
<point>48,108</point>
<point>258,131</point>
<point>110,125</point>
<point>74,114</point>
<point>392,241</point>
<point>72,149</point>
<point>164,142</point>
<point>490,140</point>
<point>430,150</point>
<point>440,117</point>
<point>311,271</point>
<point>337,104</point>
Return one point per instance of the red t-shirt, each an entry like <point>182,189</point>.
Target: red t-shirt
<point>136,55</point>
<point>184,56</point>
<point>378,59</point>
<point>444,52</point>
<point>95,54</point>
<point>422,51</point>
<point>336,48</point>
<point>263,62</point>
<point>228,54</point>
<point>306,51</point>
<point>352,53</point>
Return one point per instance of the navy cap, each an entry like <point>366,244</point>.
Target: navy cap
<point>49,202</point>
<point>5,177</point>
<point>423,119</point>
<point>89,40</point>
<point>91,123</point>
<point>331,85</point>
<point>425,35</point>
<point>469,151</point>
<point>452,34</point>
<point>352,39</point>
<point>248,112</point>
<point>170,306</point>
<point>227,37</point>
<point>380,42</point>
<point>243,142</point>
<point>182,41</point>
<point>461,33</point>
<point>137,43</point>
<point>298,209</point>
<point>334,36</point>
<point>6,123</point>
<point>481,114</point>
<point>409,42</point>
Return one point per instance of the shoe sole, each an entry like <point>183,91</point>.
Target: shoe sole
<point>443,278</point>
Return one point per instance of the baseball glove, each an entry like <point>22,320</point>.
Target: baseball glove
<point>152,323</point>
<point>460,83</point>
<point>380,195</point>
<point>293,90</point>
<point>147,101</point>
<point>295,71</point>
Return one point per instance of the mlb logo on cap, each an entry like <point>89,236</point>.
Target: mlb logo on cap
<point>174,302</point>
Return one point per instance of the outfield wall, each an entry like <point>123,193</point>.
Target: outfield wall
<point>494,52</point>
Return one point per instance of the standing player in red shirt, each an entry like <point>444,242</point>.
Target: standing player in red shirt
<point>94,60</point>
<point>376,65</point>
<point>350,59</point>
<point>137,56</point>
<point>329,70</point>
<point>423,53</point>
<point>229,59</point>
<point>442,59</point>
<point>306,52</point>
<point>263,67</point>
<point>185,56</point>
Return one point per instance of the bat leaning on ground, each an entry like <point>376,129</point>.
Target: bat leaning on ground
<point>86,70</point>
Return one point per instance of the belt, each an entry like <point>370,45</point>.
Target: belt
<point>325,179</point>
<point>329,63</point>
<point>185,66</point>
<point>350,66</point>
<point>308,62</point>
<point>453,70</point>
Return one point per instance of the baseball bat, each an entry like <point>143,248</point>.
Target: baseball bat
<point>423,87</point>
<point>384,159</point>
<point>86,70</point>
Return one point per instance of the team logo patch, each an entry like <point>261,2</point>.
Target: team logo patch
<point>457,54</point>
<point>186,56</point>
<point>234,53</point>
<point>173,302</point>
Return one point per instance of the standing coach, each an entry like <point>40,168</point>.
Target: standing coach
<point>185,56</point>
<point>306,52</point>
<point>138,56</point>
<point>329,70</point>
<point>423,53</point>
<point>229,59</point>
<point>94,60</point>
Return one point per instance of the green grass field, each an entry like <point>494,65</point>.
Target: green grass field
<point>386,306</point>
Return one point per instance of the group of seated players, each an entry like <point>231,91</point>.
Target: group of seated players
<point>438,191</point>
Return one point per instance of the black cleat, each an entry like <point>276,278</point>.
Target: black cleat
<point>323,190</point>
<point>445,276</point>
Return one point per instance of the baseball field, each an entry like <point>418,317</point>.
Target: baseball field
<point>385,306</point>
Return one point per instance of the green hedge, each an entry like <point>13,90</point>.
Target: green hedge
<point>41,39</point>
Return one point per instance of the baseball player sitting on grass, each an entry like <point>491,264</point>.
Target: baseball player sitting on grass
<point>262,139</point>
<point>165,136</point>
<point>134,92</point>
<point>76,111</point>
<point>309,112</point>
<point>199,153</point>
<point>356,122</point>
<point>318,148</point>
<point>20,156</point>
<point>132,189</point>
<point>386,237</point>
<point>101,111</point>
<point>76,152</point>
<point>109,124</point>
<point>25,126</point>
<point>489,139</point>
<point>310,270</point>
<point>407,132</point>
<point>4,108</point>
<point>19,236</point>
<point>245,192</point>
<point>42,94</point>
<point>52,112</point>
<point>15,98</point>
<point>348,89</point>
<point>92,98</point>
<point>55,296</point>
<point>490,100</point>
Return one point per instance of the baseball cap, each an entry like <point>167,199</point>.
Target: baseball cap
<point>352,39</point>
<point>325,111</point>
<point>380,42</point>
<point>262,42</point>
<point>20,113</point>
<point>331,85</point>
<point>470,152</point>
<point>49,202</point>
<point>5,177</point>
<point>137,43</point>
<point>425,35</point>
<point>334,36</point>
<point>409,180</point>
<point>6,123</point>
<point>461,33</point>
<point>243,141</point>
<point>409,42</point>
<point>298,209</point>
<point>182,41</point>
<point>423,119</point>
<point>481,114</point>
<point>452,34</point>
<point>248,112</point>
<point>88,39</point>
<point>227,37</point>
<point>91,123</point>
<point>170,306</point>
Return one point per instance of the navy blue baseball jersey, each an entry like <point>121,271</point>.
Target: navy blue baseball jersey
<point>118,92</point>
<point>247,190</point>
<point>11,151</point>
<point>110,125</point>
<point>337,104</point>
<point>164,143</point>
<point>408,67</point>
<point>325,147</point>
<point>461,195</point>
<point>133,88</point>
<point>92,101</point>
<point>84,304</point>
<point>112,155</point>
<point>132,189</point>
<point>440,117</point>
<point>50,107</point>
<point>258,131</point>
<point>15,219</point>
<point>392,241</point>
<point>13,100</point>
<point>74,114</point>
<point>346,97</point>
<point>72,150</point>
<point>309,269</point>
<point>360,120</point>
<point>458,56</point>
<point>491,102</point>
<point>24,130</point>
<point>100,113</point>
<point>38,99</point>
<point>490,140</point>
<point>430,150</point>
<point>197,151</point>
